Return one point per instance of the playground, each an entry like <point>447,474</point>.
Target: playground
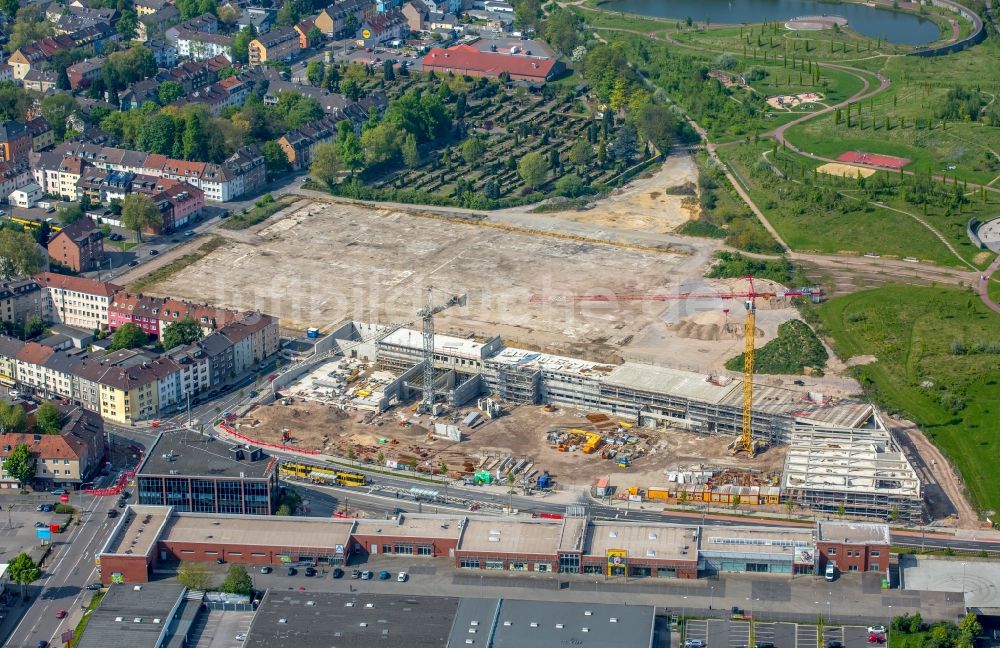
<point>787,102</point>
<point>874,159</point>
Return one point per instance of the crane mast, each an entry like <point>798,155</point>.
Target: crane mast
<point>749,334</point>
<point>426,314</point>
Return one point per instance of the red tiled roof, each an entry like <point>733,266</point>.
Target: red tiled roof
<point>34,353</point>
<point>76,284</point>
<point>466,57</point>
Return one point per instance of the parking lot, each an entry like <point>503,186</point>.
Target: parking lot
<point>736,634</point>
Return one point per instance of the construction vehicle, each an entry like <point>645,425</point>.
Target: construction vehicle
<point>745,441</point>
<point>593,442</point>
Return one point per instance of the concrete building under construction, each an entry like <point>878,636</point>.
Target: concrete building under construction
<point>660,397</point>
<point>854,472</point>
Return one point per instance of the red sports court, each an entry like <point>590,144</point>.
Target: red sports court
<point>874,159</point>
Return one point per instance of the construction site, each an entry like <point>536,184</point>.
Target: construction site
<point>573,314</point>
<point>535,420</point>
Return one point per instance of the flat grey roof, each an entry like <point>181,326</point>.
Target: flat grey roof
<point>542,624</point>
<point>326,620</point>
<point>132,616</point>
<point>196,455</point>
<point>853,532</point>
<point>979,579</point>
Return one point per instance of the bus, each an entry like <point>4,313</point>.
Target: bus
<point>320,474</point>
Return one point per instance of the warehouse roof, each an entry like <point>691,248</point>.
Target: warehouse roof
<point>277,532</point>
<point>511,536</point>
<point>642,541</point>
<point>506,623</point>
<point>287,619</point>
<point>853,532</point>
<point>134,616</point>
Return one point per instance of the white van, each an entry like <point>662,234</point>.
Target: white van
<point>831,571</point>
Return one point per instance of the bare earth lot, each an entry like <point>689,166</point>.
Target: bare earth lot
<point>521,433</point>
<point>327,262</point>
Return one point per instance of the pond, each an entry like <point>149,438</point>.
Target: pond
<point>894,26</point>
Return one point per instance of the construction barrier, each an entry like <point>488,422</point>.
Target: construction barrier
<point>277,446</point>
<point>119,486</point>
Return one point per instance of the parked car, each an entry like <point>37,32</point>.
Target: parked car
<point>834,644</point>
<point>310,572</point>
<point>878,629</point>
<point>694,643</point>
<point>384,575</point>
<point>189,233</point>
<point>94,586</point>
<point>241,636</point>
<point>112,513</point>
<point>402,577</point>
<point>763,644</point>
<point>338,572</point>
<point>44,508</point>
<point>61,614</point>
<point>39,525</point>
<point>876,638</point>
<point>266,570</point>
<point>59,491</point>
<point>356,573</point>
<point>43,644</point>
<point>292,571</point>
<point>153,253</point>
<point>366,575</point>
<point>133,264</point>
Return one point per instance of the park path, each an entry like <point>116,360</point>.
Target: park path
<point>984,286</point>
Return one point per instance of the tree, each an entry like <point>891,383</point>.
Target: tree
<point>380,144</point>
<point>19,254</point>
<point>657,125</point>
<point>624,146</point>
<point>184,331</point>
<point>9,8</point>
<point>841,510</point>
<point>314,36</point>
<point>57,109</point>
<point>20,464</point>
<point>194,575</point>
<point>351,154</point>
<point>128,25</point>
<point>193,141</point>
<point>275,158</point>
<point>581,154</point>
<point>139,213</point>
<point>314,72</point>
<point>526,12</point>
<point>33,326</point>
<point>241,44</point>
<point>23,569</point>
<point>569,185</point>
<point>13,420</point>
<point>473,151</point>
<point>288,14</point>
<point>736,501</point>
<point>69,213</point>
<point>351,89</point>
<point>388,74</point>
<point>533,168</point>
<point>169,92</point>
<point>237,581</point>
<point>14,101</point>
<point>30,26</point>
<point>411,155</point>
<point>62,79</point>
<point>969,628</point>
<point>561,30</point>
<point>326,164</point>
<point>41,235</point>
<point>128,336</point>
<point>48,420</point>
<point>228,14</point>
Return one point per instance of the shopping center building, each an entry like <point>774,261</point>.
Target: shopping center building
<point>147,535</point>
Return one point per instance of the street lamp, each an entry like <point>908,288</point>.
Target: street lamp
<point>684,608</point>
<point>711,596</point>
<point>964,565</point>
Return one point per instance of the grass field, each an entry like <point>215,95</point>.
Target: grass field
<point>818,222</point>
<point>966,149</point>
<point>928,369</point>
<point>260,212</point>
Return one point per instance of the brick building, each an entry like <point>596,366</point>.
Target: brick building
<point>853,546</point>
<point>63,460</point>
<point>79,247</point>
<point>467,60</point>
<point>15,142</point>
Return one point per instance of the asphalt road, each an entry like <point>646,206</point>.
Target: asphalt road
<point>70,567</point>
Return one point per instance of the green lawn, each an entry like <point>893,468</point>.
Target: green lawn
<point>259,213</point>
<point>919,335</point>
<point>829,223</point>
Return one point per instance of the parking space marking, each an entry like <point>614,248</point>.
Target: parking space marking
<point>806,636</point>
<point>697,629</point>
<point>739,634</point>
